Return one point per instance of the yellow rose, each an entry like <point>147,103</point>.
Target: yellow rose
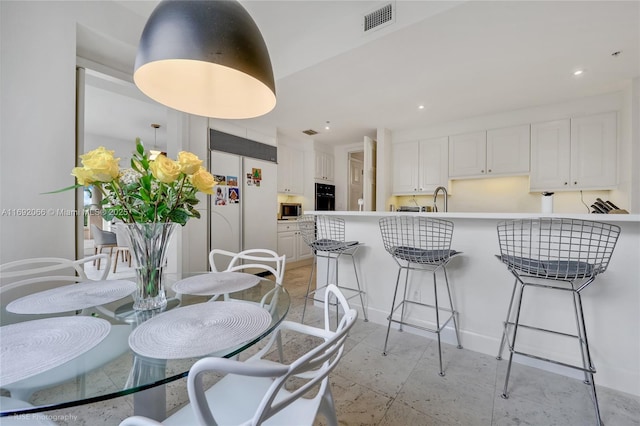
<point>189,163</point>
<point>164,169</point>
<point>83,175</point>
<point>100,165</point>
<point>203,181</point>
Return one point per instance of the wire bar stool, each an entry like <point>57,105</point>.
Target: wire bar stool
<point>325,235</point>
<point>420,244</point>
<point>554,254</point>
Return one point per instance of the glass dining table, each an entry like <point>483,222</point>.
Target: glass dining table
<point>139,351</point>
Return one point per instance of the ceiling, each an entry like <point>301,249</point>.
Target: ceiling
<point>457,59</point>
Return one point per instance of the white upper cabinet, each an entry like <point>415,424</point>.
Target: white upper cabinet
<point>290,170</point>
<point>496,152</point>
<point>550,155</point>
<point>325,164</point>
<point>594,151</point>
<point>577,153</point>
<point>420,167</point>
<point>508,151</point>
<point>468,154</point>
<point>405,167</point>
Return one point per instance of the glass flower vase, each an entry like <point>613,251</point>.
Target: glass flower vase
<point>148,244</point>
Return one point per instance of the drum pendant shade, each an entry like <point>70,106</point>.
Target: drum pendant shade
<point>206,58</point>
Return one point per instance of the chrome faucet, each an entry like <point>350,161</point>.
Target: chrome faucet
<point>435,197</point>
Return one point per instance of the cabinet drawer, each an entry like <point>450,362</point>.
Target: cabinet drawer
<point>286,227</point>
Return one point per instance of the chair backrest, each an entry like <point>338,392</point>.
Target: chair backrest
<point>319,230</point>
<point>101,237</point>
<point>557,248</point>
<point>262,259</point>
<point>416,238</point>
<point>313,367</point>
<point>122,236</point>
<point>26,276</point>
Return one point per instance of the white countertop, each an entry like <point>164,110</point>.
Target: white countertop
<point>501,216</point>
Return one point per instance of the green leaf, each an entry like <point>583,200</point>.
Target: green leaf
<point>139,146</point>
<point>108,213</point>
<point>77,185</point>
<point>179,216</point>
<point>134,165</point>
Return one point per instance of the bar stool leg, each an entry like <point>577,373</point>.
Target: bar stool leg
<point>589,379</point>
<point>512,344</point>
<point>306,297</point>
<point>393,304</point>
<point>355,271</point>
<point>404,296</point>
<point>454,313</point>
<point>506,321</point>
<point>435,295</point>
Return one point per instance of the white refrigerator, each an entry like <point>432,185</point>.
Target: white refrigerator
<point>245,203</point>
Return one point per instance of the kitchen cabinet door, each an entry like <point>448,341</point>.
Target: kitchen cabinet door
<point>287,245</point>
<point>290,170</point>
<point>420,167</point>
<point>508,151</point>
<point>574,154</point>
<point>468,154</point>
<point>304,251</point>
<point>325,164</point>
<point>433,170</point>
<point>550,155</point>
<point>406,166</point>
<point>594,151</point>
<point>291,243</point>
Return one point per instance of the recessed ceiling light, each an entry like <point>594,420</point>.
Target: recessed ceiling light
<point>420,106</point>
<point>327,127</point>
<point>578,72</point>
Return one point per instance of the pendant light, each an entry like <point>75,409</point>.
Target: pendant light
<point>206,58</point>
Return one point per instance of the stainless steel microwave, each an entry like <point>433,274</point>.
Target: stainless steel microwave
<point>290,210</point>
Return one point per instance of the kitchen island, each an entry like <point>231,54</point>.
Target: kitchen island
<point>481,287</point>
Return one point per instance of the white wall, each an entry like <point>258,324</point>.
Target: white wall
<point>37,129</point>
<point>635,146</point>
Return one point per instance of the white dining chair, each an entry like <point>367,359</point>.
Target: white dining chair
<point>253,392</point>
<point>253,261</point>
<point>122,246</point>
<point>264,260</point>
<point>25,276</point>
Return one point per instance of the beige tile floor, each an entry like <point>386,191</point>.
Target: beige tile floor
<point>404,388</point>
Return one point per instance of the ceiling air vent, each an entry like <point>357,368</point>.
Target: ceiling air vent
<point>310,132</point>
<point>379,18</point>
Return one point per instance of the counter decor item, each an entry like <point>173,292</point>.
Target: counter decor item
<point>547,202</point>
<point>606,207</point>
<point>151,198</point>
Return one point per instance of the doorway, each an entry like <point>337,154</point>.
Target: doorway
<point>110,112</point>
<point>356,177</point>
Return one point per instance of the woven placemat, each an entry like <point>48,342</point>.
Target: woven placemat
<point>72,297</point>
<point>32,347</point>
<point>199,330</point>
<point>215,283</point>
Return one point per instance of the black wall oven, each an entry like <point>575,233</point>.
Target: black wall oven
<point>325,197</point>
